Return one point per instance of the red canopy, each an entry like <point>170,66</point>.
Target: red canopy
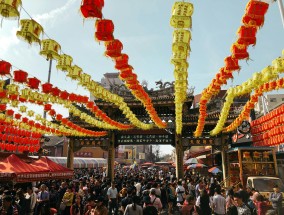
<point>56,170</point>
<point>13,168</point>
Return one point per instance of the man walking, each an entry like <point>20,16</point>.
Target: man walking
<point>219,203</point>
<point>276,200</point>
<point>112,199</point>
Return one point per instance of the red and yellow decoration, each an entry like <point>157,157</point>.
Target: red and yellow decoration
<point>10,8</point>
<point>50,49</point>
<point>252,20</point>
<point>181,21</point>
<point>30,31</point>
<point>267,74</point>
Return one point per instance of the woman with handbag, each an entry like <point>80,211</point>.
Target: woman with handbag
<point>67,200</point>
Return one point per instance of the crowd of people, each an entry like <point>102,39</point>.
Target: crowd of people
<point>136,192</point>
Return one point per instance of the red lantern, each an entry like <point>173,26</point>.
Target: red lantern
<point>280,82</point>
<point>20,76</point>
<point>59,117</point>
<point>231,63</point>
<point>21,99</point>
<point>18,116</point>
<point>73,97</point>
<point>46,88</point>
<point>9,112</point>
<point>253,20</point>
<point>226,74</point>
<point>13,97</point>
<point>92,8</point>
<point>121,62</point>
<point>247,35</point>
<point>104,30</point>
<point>3,94</point>
<point>5,68</point>
<point>239,51</point>
<point>2,107</point>
<point>257,7</point>
<point>25,120</point>
<point>272,85</point>
<point>55,91</point>
<point>52,112</point>
<point>90,104</point>
<point>113,48</point>
<point>47,107</point>
<point>33,83</point>
<point>64,95</point>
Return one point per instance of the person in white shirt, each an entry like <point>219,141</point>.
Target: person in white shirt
<point>32,197</point>
<point>138,187</point>
<point>112,197</point>
<point>180,191</point>
<point>219,203</point>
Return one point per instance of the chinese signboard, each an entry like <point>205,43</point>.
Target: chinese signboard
<point>83,154</point>
<point>186,142</point>
<point>139,139</point>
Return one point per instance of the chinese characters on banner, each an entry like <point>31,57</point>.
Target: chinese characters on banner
<point>83,154</point>
<point>138,139</point>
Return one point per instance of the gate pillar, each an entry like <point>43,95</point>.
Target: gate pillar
<point>70,154</point>
<point>111,155</point>
<point>179,156</point>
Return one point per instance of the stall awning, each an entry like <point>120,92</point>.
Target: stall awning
<point>81,162</point>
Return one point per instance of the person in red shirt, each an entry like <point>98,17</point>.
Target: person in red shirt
<point>261,205</point>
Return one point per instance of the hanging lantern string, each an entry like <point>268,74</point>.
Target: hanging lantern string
<point>105,118</point>
<point>130,115</point>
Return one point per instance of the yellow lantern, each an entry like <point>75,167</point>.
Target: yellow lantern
<point>15,103</point>
<point>30,31</point>
<point>38,117</point>
<point>180,64</point>
<point>13,89</point>
<point>181,36</point>
<point>64,63</point>
<point>23,109</point>
<point>50,49</point>
<point>85,79</point>
<point>10,8</point>
<point>278,64</point>
<point>31,113</point>
<point>181,15</point>
<point>25,93</point>
<point>75,72</point>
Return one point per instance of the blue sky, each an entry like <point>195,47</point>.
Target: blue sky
<point>143,28</point>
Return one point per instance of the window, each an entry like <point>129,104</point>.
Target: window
<point>282,99</point>
<point>273,100</point>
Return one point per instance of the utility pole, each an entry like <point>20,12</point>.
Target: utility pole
<point>48,81</point>
<point>281,9</point>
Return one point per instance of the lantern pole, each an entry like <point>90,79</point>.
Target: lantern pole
<point>48,81</point>
<point>281,9</point>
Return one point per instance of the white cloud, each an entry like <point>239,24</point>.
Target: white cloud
<point>8,40</point>
<point>51,16</point>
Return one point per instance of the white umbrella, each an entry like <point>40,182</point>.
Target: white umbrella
<point>193,161</point>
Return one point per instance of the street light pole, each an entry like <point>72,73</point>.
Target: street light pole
<point>48,81</point>
<point>281,9</point>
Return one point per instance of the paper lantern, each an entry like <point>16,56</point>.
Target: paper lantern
<point>85,79</point>
<point>20,76</point>
<point>59,117</point>
<point>3,94</point>
<point>247,35</point>
<point>64,63</point>
<point>181,15</point>
<point>257,7</point>
<point>239,51</point>
<point>253,20</point>
<point>3,107</point>
<point>30,31</point>
<point>113,48</point>
<point>50,49</point>
<point>10,8</point>
<point>121,62</point>
<point>92,8</point>
<point>33,83</point>
<point>181,36</point>
<point>5,67</point>
<point>12,89</point>
<point>75,72</point>
<point>64,95</point>
<point>9,112</point>
<point>55,91</point>
<point>278,64</point>
<point>46,88</point>
<point>104,30</point>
